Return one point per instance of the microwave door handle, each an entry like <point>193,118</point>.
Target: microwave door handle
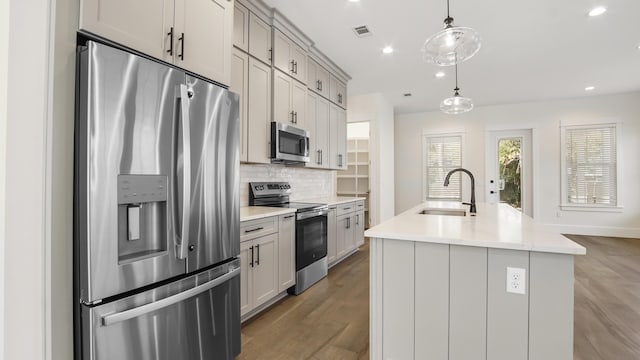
<point>186,171</point>
<point>115,318</point>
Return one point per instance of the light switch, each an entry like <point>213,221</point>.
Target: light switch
<point>133,215</point>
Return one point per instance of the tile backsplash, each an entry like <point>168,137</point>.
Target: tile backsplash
<point>305,183</point>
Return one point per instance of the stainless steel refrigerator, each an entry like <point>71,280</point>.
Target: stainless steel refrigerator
<point>157,213</point>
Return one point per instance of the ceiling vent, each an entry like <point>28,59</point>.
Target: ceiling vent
<point>362,31</point>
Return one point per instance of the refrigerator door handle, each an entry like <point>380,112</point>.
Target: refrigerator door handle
<point>114,318</point>
<point>186,171</point>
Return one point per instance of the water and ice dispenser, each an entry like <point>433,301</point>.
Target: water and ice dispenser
<point>142,217</point>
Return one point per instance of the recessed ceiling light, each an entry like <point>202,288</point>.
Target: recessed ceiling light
<point>387,50</point>
<point>597,11</point>
<point>440,74</point>
<point>589,88</point>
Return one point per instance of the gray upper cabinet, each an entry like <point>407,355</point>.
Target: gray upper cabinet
<point>338,92</point>
<point>289,100</point>
<point>241,27</point>
<point>317,78</point>
<point>289,57</point>
<point>260,39</point>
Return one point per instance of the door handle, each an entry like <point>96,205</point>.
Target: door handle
<point>357,219</point>
<point>292,117</point>
<point>114,318</point>
<point>270,55</point>
<point>252,230</point>
<point>295,66</point>
<point>170,34</point>
<point>186,171</point>
<point>251,262</point>
<point>258,251</point>
<point>181,39</point>
<point>318,161</point>
<point>292,66</point>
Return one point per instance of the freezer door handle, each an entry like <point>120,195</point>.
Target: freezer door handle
<point>115,318</point>
<point>186,171</point>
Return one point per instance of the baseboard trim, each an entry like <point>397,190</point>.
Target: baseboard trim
<point>624,232</point>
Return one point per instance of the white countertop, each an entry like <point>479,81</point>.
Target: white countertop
<point>496,226</point>
<point>258,212</point>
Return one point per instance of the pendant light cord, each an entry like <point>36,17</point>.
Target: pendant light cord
<point>448,9</point>
<point>456,89</point>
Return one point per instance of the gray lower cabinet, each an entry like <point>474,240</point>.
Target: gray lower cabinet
<point>449,302</point>
<point>348,221</point>
<point>267,261</point>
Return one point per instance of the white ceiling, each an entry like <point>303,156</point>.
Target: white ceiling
<point>531,50</point>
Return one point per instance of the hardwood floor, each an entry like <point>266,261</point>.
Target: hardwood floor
<point>331,319</point>
<point>607,299</point>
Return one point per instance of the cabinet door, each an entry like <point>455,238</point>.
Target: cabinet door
<point>259,39</point>
<point>259,112</point>
<point>338,92</point>
<point>341,138</point>
<point>141,25</point>
<point>334,150</point>
<point>342,232</point>
<point>323,80</point>
<point>282,107</point>
<point>241,27</point>
<point>299,105</point>
<point>359,228</point>
<point>246,278</point>
<point>312,79</point>
<point>204,29</point>
<point>310,123</point>
<point>265,269</point>
<point>299,58</point>
<point>331,235</point>
<point>240,86</point>
<point>282,52</point>
<point>322,131</point>
<point>286,252</point>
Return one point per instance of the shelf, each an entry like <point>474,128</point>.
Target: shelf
<point>353,176</point>
<point>358,163</point>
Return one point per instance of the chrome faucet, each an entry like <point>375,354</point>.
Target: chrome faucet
<point>472,204</point>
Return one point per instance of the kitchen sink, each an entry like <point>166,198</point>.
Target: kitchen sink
<point>448,212</point>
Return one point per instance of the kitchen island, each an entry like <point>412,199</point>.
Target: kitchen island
<point>439,285</point>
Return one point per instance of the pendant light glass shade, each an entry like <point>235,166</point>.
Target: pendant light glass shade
<point>456,105</point>
<point>451,45</point>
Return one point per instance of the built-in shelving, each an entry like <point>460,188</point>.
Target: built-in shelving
<point>354,181</point>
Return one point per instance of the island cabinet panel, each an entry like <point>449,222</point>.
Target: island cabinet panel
<point>551,306</point>
<point>508,313</point>
<point>468,303</point>
<point>432,313</point>
<point>398,293</point>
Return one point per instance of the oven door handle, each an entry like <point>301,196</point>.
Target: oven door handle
<point>310,214</point>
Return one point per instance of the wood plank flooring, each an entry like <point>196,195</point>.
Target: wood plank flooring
<point>607,299</point>
<point>331,319</point>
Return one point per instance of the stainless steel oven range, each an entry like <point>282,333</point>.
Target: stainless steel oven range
<point>311,231</point>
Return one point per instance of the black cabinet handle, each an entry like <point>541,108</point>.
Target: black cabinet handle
<point>251,263</point>
<point>292,66</point>
<point>181,39</point>
<point>253,230</point>
<point>492,192</point>
<point>295,67</point>
<point>270,55</point>
<point>295,115</point>
<point>357,219</point>
<point>258,250</point>
<point>170,34</point>
<point>288,217</point>
<point>320,85</point>
<point>292,120</point>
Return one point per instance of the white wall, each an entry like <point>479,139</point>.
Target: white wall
<point>4,57</point>
<point>26,168</point>
<point>379,112</point>
<point>306,184</point>
<point>544,118</point>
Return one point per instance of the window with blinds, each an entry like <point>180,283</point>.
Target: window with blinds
<point>591,165</point>
<point>442,154</point>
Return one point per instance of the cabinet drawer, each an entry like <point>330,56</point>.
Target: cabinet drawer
<point>346,208</point>
<point>360,205</point>
<point>259,227</point>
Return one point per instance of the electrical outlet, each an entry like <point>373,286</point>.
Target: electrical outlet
<point>516,280</point>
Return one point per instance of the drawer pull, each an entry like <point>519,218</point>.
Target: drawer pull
<point>347,208</point>
<point>288,217</point>
<point>253,230</point>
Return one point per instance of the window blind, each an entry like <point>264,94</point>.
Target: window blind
<point>443,154</point>
<point>591,165</point>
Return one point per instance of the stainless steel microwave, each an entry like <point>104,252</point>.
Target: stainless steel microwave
<point>289,144</point>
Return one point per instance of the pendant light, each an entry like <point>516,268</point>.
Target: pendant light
<point>451,45</point>
<point>457,104</point>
